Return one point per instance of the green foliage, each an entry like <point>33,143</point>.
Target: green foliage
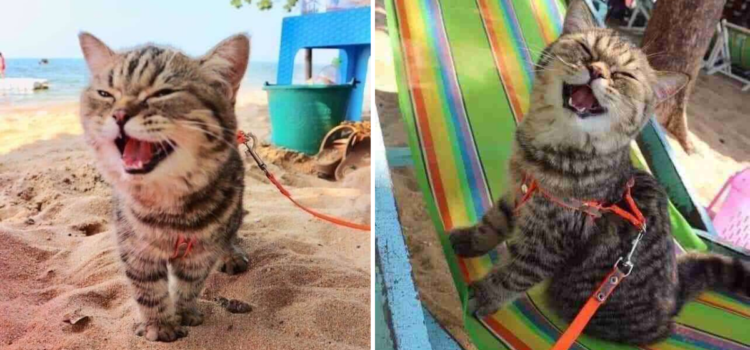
<point>264,5</point>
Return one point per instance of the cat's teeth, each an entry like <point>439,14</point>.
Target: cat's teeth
<point>135,165</point>
<point>570,103</point>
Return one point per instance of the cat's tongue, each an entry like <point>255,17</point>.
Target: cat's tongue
<point>137,153</point>
<point>582,98</point>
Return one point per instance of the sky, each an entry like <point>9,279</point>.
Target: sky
<point>49,28</point>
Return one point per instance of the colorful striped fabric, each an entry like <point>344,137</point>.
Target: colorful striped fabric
<point>465,71</point>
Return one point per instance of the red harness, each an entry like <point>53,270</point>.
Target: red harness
<point>182,247</point>
<point>594,209</point>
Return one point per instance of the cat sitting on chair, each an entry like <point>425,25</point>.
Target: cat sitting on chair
<point>594,92</point>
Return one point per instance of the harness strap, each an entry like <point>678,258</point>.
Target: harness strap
<point>613,279</point>
<point>591,208</point>
<point>182,247</point>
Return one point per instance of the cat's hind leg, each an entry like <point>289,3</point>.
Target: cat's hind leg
<point>235,260</point>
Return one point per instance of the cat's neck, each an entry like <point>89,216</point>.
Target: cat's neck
<point>568,171</point>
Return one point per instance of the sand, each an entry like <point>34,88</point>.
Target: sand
<point>719,124</point>
<point>63,287</point>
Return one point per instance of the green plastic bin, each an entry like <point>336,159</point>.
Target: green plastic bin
<point>739,47</point>
<point>301,115</point>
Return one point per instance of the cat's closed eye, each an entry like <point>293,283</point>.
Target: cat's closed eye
<point>162,93</point>
<point>623,74</point>
<point>104,94</point>
<point>586,49</point>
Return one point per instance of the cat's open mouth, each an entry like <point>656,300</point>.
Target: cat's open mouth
<point>141,157</point>
<point>581,100</point>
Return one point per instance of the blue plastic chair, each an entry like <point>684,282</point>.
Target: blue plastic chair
<point>347,30</point>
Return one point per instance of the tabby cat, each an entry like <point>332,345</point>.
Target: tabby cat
<point>594,92</point>
<point>162,126</point>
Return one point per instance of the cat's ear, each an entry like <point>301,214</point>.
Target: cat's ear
<point>229,59</point>
<point>98,55</point>
<point>578,18</point>
<point>668,84</point>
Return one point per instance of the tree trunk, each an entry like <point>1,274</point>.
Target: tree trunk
<point>676,39</point>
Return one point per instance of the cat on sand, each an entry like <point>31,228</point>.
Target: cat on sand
<point>162,128</point>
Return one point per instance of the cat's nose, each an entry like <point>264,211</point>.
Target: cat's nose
<point>596,71</point>
<point>121,116</point>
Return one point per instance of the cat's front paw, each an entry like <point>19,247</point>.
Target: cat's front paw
<point>160,331</point>
<point>190,317</point>
<point>467,242</point>
<point>488,298</point>
<point>235,262</point>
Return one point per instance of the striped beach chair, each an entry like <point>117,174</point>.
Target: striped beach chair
<point>465,71</point>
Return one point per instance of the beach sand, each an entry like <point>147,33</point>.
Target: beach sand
<point>719,127</point>
<point>62,284</point>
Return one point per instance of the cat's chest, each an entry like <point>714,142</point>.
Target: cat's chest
<point>169,244</point>
<point>572,230</point>
<point>166,240</point>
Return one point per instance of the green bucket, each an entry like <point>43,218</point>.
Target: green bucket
<point>301,115</point>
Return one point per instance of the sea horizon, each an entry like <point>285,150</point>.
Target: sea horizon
<point>68,76</point>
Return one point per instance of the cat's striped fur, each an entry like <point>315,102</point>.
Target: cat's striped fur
<point>180,110</point>
<point>589,158</point>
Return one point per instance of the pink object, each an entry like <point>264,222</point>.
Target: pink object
<point>732,220</point>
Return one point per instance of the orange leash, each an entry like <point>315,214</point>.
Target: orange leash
<point>243,139</point>
<point>615,277</point>
<point>601,294</point>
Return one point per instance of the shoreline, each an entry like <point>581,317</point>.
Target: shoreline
<point>24,125</point>
<point>42,102</point>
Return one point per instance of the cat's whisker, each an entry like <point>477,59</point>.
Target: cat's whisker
<point>544,54</point>
<point>163,139</point>
<point>542,66</point>
<point>202,130</point>
<point>216,136</point>
<point>207,125</point>
<point>532,49</point>
<point>547,69</point>
<point>173,144</point>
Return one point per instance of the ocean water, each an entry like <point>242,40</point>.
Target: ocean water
<point>68,76</point>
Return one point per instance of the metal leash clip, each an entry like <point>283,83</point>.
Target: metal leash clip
<point>245,138</point>
<point>628,263</point>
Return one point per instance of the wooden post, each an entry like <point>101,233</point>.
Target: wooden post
<point>308,64</point>
<point>676,39</point>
